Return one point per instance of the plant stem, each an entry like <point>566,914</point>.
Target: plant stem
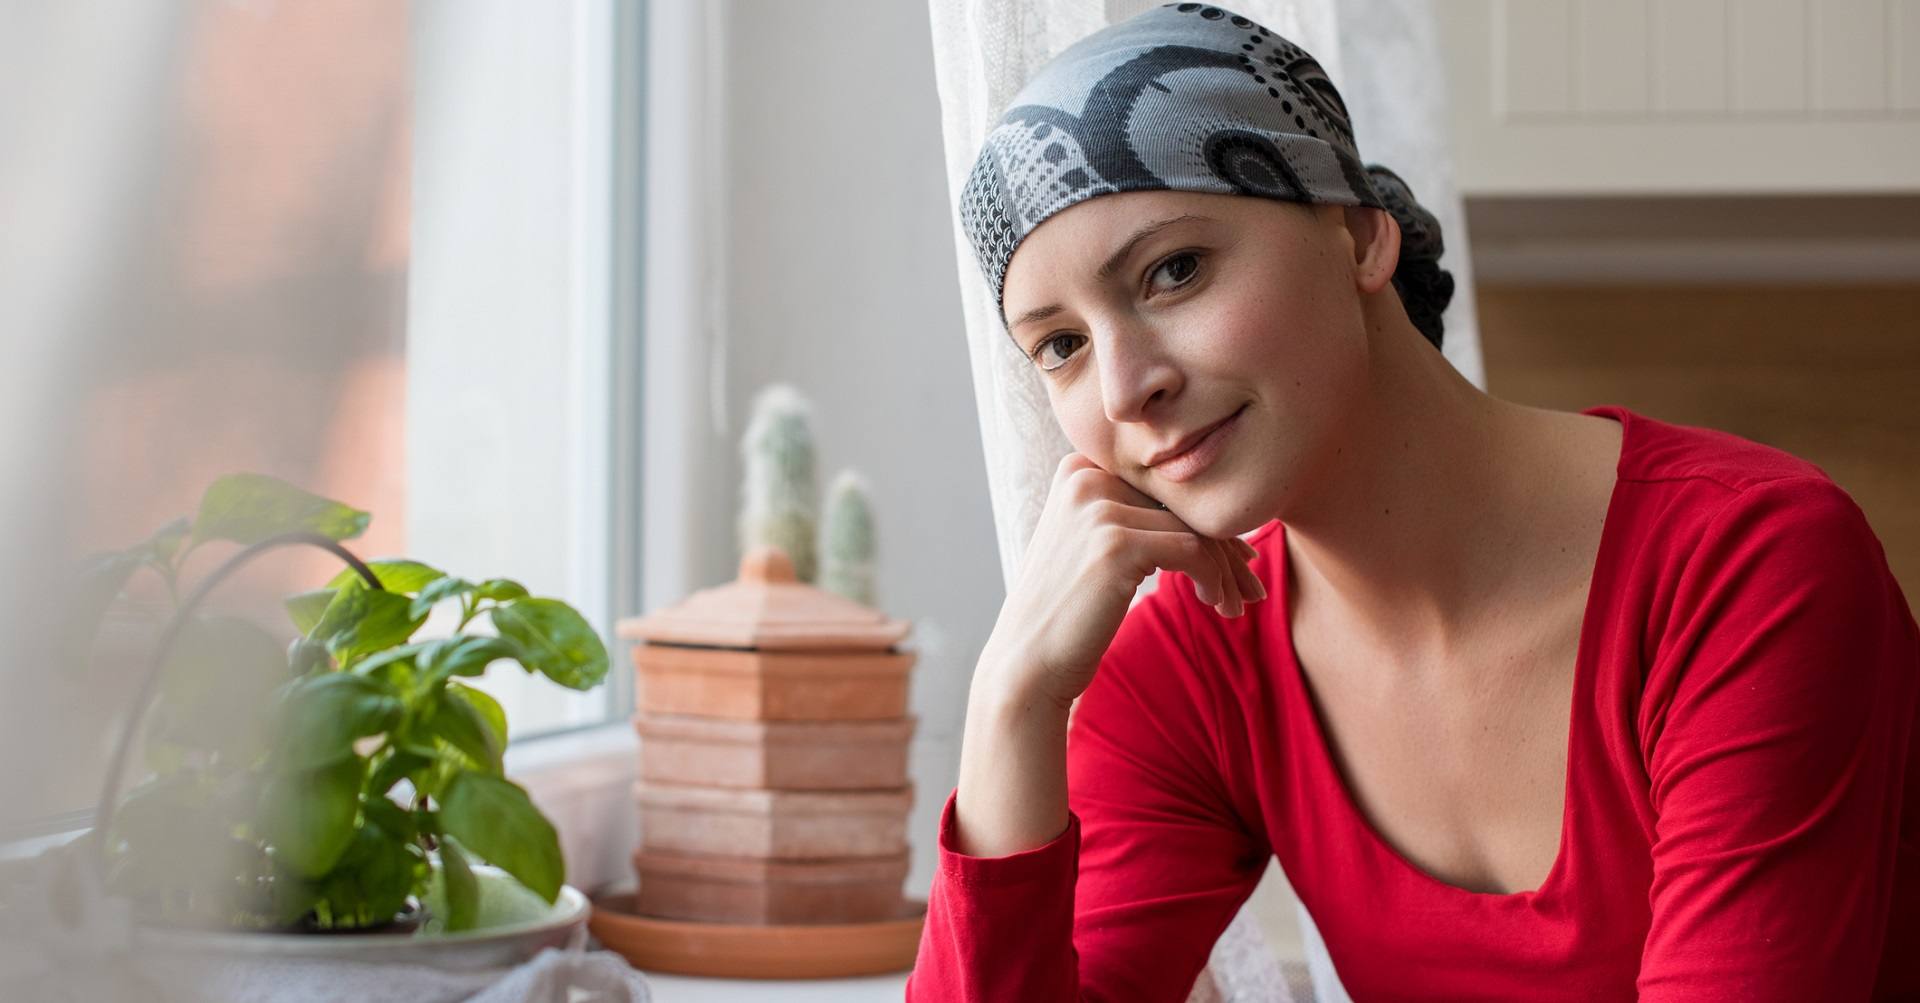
<point>110,791</point>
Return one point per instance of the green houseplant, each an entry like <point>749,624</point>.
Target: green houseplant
<point>349,781</point>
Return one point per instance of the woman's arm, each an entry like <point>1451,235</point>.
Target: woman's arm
<point>1003,922</point>
<point>1013,762</point>
<point>1122,893</point>
<point>1777,729</point>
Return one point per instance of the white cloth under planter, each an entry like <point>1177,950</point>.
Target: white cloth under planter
<point>553,976</point>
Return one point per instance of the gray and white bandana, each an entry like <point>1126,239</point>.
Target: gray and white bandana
<point>1185,97</point>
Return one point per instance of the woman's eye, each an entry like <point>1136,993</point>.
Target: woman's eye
<point>1177,269</point>
<point>1054,351</point>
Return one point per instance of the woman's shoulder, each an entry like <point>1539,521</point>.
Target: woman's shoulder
<point>1725,539</point>
<point>1654,451</point>
<point>1686,490</point>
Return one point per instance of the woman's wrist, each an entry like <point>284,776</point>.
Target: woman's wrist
<point>1013,784</point>
<point>1009,681</point>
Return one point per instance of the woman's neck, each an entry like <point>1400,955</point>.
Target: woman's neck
<point>1436,508</point>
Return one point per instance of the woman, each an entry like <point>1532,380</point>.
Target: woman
<point>1237,327</point>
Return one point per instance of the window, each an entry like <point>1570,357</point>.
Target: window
<point>517,346</point>
<point>386,278</point>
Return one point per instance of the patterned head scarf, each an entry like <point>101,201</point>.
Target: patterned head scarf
<point>1186,97</point>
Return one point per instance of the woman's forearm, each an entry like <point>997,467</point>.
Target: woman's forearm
<point>1012,794</point>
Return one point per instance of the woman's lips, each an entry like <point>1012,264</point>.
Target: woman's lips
<point>1199,456</point>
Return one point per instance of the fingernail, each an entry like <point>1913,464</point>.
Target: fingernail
<point>1262,587</point>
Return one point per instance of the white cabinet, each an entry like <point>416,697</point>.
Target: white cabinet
<point>1589,97</point>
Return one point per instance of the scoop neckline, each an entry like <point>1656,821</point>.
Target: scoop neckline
<point>1582,686</point>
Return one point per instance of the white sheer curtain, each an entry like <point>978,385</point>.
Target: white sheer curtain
<point>1384,56</point>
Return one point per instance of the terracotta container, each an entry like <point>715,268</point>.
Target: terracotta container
<point>772,685</point>
<point>775,824</point>
<point>780,755</point>
<point>766,647</point>
<point>757,890</point>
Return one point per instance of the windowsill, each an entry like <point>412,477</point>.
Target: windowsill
<point>583,780</point>
<point>540,755</point>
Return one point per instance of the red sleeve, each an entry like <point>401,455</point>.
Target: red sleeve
<point>1775,731</point>
<point>1128,901</point>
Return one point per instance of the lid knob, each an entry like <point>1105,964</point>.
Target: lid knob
<point>766,564</point>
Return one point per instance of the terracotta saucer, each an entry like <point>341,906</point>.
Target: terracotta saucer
<point>740,951</point>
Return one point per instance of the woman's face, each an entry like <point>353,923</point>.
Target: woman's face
<point>1155,316</point>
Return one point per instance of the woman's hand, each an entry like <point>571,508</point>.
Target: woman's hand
<point>1097,539</point>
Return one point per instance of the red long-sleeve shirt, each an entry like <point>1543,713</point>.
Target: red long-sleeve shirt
<point>1736,825</point>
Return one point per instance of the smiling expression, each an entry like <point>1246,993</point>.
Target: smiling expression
<point>1154,316</point>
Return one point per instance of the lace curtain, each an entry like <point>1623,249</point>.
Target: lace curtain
<point>1384,56</point>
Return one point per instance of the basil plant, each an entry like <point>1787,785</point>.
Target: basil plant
<point>316,786</point>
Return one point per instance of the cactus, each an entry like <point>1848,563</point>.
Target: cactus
<point>777,495</point>
<point>846,540</point>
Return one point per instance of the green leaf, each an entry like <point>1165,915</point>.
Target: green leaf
<point>501,590</point>
<point>489,708</point>
<point>306,655</point>
<point>325,714</point>
<point>397,821</point>
<point>395,574</point>
<point>373,664</point>
<point>293,895</point>
<point>98,583</point>
<point>465,655</point>
<point>395,766</point>
<point>372,880</point>
<point>556,641</point>
<point>440,775</point>
<point>439,590</point>
<point>248,508</point>
<point>363,621</point>
<point>307,817</point>
<point>306,608</point>
<point>165,542</point>
<point>152,812</point>
<point>216,691</point>
<point>460,723</point>
<point>463,891</point>
<point>493,817</point>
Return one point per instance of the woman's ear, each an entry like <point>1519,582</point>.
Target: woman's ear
<point>1376,246</point>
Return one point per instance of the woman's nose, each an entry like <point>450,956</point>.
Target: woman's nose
<point>1134,371</point>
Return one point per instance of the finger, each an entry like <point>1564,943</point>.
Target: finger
<point>1245,548</point>
<point>1238,581</point>
<point>1251,587</point>
<point>1236,584</point>
<point>1116,487</point>
<point>1236,604</point>
<point>1122,513</point>
<point>1181,551</point>
<point>1070,463</point>
<point>1228,593</point>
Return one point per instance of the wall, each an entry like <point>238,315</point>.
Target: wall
<point>1825,372</point>
<point>838,277</point>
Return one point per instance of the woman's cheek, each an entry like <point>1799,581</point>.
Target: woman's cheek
<point>1084,422</point>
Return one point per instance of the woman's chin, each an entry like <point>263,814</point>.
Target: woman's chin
<point>1220,517</point>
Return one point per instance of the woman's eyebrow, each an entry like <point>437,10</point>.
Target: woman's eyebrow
<point>1111,266</point>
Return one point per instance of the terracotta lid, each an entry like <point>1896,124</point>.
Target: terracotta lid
<point>766,608</point>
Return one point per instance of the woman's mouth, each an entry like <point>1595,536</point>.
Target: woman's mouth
<point>1195,459</point>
